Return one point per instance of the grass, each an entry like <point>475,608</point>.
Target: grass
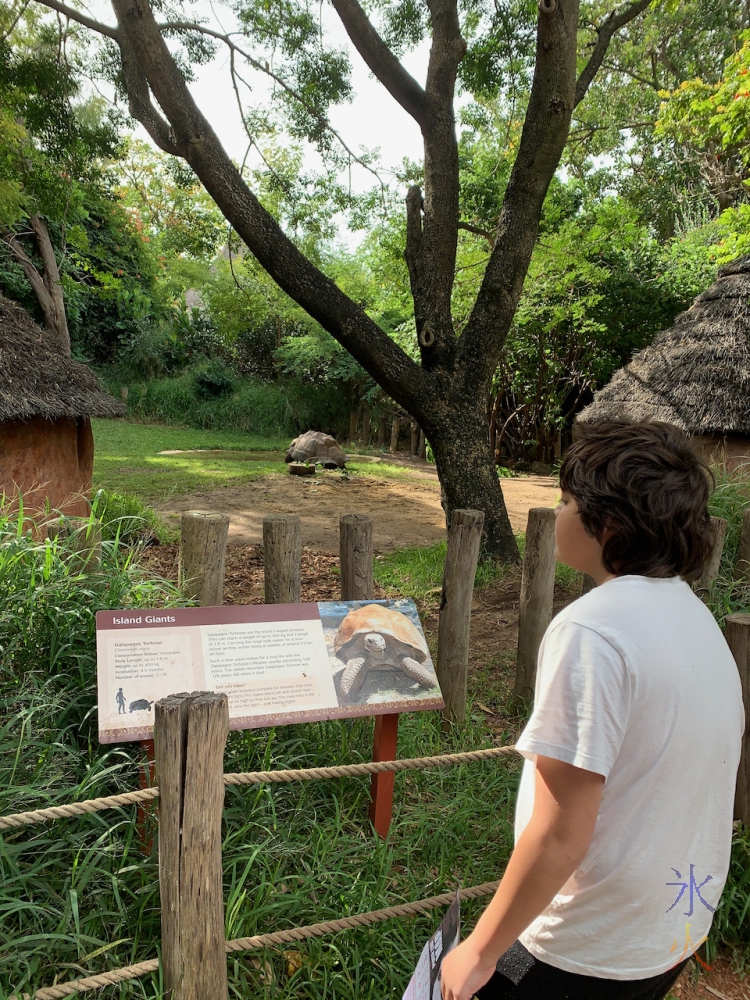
<point>127,458</point>
<point>417,571</point>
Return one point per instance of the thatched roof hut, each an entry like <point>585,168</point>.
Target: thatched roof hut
<point>46,400</point>
<point>696,374</point>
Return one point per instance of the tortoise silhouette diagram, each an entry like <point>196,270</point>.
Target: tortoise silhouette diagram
<point>141,705</point>
<point>378,638</point>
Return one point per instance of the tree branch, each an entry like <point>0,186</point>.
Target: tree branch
<point>478,230</point>
<point>76,15</point>
<point>605,31</point>
<point>265,68</point>
<point>381,61</point>
<point>199,145</point>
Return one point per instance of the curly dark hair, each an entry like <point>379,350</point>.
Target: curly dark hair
<point>644,482</point>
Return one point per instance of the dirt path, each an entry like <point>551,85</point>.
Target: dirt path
<point>405,511</point>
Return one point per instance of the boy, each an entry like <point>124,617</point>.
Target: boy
<point>624,811</point>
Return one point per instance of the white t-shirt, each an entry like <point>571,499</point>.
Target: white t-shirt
<point>636,682</point>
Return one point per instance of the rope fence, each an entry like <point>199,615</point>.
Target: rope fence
<point>16,820</point>
<point>268,940</point>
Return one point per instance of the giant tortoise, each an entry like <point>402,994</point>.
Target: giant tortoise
<point>379,638</point>
<point>314,446</point>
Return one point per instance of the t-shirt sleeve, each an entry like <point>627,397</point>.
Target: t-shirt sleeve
<point>582,700</point>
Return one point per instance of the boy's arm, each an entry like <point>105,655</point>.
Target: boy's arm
<point>551,847</point>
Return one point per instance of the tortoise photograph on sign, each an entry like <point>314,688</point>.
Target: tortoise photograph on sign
<point>378,652</point>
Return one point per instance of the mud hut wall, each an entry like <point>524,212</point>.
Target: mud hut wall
<point>717,449</point>
<point>49,461</point>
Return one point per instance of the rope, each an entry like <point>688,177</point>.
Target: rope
<point>358,920</point>
<point>76,808</point>
<point>372,767</point>
<point>16,820</point>
<point>268,940</point>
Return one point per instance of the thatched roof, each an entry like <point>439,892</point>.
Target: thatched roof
<point>696,374</point>
<point>37,379</point>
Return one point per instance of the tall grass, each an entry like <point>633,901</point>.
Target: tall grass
<point>730,499</point>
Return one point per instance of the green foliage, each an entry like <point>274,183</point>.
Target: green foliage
<point>714,117</point>
<point>730,499</point>
<point>212,380</point>
<point>731,924</point>
<point>125,518</point>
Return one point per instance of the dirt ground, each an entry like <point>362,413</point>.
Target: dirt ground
<point>405,511</point>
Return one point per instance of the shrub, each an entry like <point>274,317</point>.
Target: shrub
<point>213,379</point>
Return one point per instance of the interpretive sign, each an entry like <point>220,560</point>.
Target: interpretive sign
<point>277,663</point>
<point>425,984</point>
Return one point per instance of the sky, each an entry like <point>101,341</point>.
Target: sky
<point>373,119</point>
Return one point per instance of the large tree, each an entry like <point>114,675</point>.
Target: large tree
<point>448,389</point>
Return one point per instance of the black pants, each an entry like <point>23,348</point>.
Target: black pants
<point>521,976</point>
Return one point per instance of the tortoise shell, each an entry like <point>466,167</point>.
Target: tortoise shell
<point>386,622</point>
<point>315,444</point>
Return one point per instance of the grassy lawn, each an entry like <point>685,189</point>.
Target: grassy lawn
<point>128,460</point>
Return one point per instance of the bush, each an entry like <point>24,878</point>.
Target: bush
<point>213,379</point>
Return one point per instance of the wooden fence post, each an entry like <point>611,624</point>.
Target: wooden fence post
<point>464,539</point>
<point>414,442</point>
<point>711,570</point>
<point>190,731</point>
<point>537,596</point>
<point>282,558</point>
<point>203,552</point>
<point>395,430</point>
<point>738,639</point>
<point>355,557</point>
<point>742,569</point>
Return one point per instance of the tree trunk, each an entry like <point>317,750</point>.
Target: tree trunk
<point>366,432</point>
<point>414,428</point>
<point>468,475</point>
<point>47,286</point>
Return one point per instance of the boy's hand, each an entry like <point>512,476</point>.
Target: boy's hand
<point>462,972</point>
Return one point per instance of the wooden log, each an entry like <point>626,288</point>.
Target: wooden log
<point>742,569</point>
<point>422,445</point>
<point>282,558</point>
<point>202,559</point>
<point>706,580</point>
<point>355,557</point>
<point>395,431</point>
<point>537,596</point>
<point>81,538</point>
<point>190,733</point>
<point>300,469</point>
<point>414,428</point>
<point>738,639</point>
<point>464,538</point>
